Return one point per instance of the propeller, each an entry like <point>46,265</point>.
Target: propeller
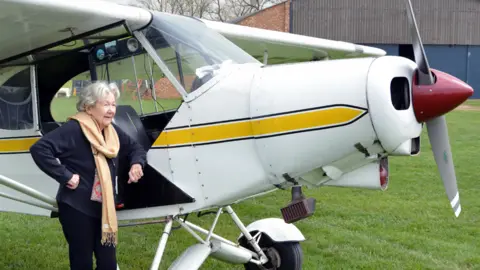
<point>434,94</point>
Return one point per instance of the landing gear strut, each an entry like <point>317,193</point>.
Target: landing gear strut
<point>268,243</point>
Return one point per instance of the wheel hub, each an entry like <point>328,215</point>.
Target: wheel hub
<point>274,257</point>
<point>274,260</point>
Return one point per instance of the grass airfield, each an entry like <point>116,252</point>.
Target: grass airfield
<point>409,226</point>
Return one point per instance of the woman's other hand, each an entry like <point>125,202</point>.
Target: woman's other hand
<point>73,182</point>
<point>135,173</point>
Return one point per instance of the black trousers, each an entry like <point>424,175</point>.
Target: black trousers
<point>83,234</point>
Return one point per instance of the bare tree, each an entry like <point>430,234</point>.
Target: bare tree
<point>195,8</point>
<point>220,10</point>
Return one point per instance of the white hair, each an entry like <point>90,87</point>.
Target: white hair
<point>95,91</point>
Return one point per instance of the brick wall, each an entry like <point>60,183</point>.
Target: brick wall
<point>274,18</point>
<point>164,89</point>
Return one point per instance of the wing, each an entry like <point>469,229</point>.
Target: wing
<point>286,47</point>
<point>26,25</point>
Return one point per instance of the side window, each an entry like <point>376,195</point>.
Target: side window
<point>16,112</point>
<point>64,102</point>
<point>193,66</point>
<point>187,64</point>
<point>141,83</point>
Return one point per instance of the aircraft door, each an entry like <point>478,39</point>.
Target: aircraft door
<point>147,103</point>
<point>144,109</point>
<point>168,174</point>
<point>177,141</point>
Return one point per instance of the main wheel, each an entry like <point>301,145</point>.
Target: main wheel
<point>281,256</point>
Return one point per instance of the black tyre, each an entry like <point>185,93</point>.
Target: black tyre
<point>281,256</point>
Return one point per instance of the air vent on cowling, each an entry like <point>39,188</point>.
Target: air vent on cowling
<point>400,93</point>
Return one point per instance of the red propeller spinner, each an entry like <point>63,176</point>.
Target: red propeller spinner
<point>447,92</point>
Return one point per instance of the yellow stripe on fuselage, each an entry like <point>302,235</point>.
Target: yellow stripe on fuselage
<point>17,145</point>
<point>305,120</point>
<point>271,125</point>
<point>326,117</point>
<point>225,131</point>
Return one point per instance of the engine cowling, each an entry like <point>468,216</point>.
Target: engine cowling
<point>390,105</point>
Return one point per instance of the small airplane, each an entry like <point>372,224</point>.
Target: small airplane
<point>257,111</point>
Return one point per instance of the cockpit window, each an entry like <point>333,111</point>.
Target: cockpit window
<point>193,52</point>
<point>141,83</point>
<point>16,110</point>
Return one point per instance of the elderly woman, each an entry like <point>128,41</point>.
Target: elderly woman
<point>81,156</point>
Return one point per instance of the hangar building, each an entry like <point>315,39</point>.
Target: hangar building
<point>450,29</point>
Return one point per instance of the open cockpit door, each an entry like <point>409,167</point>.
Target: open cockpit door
<point>148,102</point>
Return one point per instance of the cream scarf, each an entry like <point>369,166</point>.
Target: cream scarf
<point>103,148</point>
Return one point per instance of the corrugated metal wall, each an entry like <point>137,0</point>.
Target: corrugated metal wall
<point>462,61</point>
<point>385,21</point>
<point>383,24</point>
<point>452,60</point>
<point>473,71</point>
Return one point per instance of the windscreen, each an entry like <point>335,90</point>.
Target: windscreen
<point>193,52</point>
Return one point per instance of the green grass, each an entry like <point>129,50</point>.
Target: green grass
<point>409,226</point>
<point>473,102</point>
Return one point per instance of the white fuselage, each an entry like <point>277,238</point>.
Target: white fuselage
<point>240,137</point>
<point>255,126</point>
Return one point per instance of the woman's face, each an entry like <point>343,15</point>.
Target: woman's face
<point>104,110</point>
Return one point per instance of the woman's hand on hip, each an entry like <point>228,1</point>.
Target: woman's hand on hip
<point>73,182</point>
<point>135,173</point>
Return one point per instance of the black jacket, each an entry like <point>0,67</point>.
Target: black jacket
<point>71,147</point>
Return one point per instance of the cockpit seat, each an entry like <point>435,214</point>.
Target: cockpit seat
<point>128,120</point>
<point>46,127</point>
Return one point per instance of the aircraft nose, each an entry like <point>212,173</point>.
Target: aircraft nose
<point>430,101</point>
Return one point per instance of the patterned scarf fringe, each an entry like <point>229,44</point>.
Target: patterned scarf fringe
<point>109,239</point>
